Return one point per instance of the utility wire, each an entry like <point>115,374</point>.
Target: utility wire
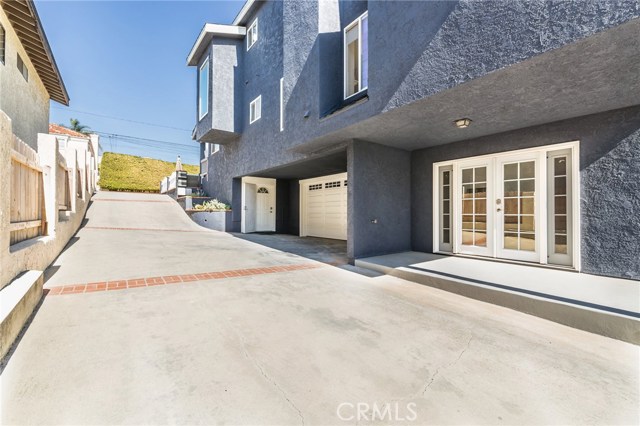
<point>137,138</point>
<point>121,119</point>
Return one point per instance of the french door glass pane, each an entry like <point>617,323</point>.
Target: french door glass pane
<point>560,204</point>
<point>446,207</point>
<point>474,206</point>
<point>519,206</point>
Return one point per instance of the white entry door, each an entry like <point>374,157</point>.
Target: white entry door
<point>323,206</point>
<point>497,214</point>
<point>264,208</point>
<point>259,204</point>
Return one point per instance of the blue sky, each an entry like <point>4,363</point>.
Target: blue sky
<point>127,60</point>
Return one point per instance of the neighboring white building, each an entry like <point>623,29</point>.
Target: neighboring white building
<point>87,149</point>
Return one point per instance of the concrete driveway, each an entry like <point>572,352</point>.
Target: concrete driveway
<point>151,319</point>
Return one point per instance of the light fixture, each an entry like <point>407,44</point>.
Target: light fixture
<point>462,123</point>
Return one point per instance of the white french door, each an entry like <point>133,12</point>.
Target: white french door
<point>519,205</point>
<point>518,216</point>
<point>474,220</point>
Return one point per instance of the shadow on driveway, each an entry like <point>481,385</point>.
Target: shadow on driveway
<point>325,250</point>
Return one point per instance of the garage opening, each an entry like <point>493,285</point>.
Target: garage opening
<point>323,207</point>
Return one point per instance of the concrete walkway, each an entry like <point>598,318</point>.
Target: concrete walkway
<point>239,333</point>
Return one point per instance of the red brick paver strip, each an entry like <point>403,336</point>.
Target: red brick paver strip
<point>132,201</point>
<point>173,279</point>
<point>111,228</point>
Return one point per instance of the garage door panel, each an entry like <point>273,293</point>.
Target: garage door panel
<point>325,209</point>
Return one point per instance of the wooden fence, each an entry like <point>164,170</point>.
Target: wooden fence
<point>27,216</point>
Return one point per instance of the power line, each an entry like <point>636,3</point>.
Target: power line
<point>121,137</point>
<point>120,119</point>
<point>156,145</point>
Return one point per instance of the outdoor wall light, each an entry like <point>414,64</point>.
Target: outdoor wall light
<point>462,123</point>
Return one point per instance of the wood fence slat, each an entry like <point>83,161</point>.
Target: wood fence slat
<point>26,216</point>
<point>19,226</point>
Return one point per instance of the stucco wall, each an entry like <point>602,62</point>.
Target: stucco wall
<point>416,49</point>
<point>38,253</point>
<point>379,200</point>
<point>609,192</point>
<point>25,102</point>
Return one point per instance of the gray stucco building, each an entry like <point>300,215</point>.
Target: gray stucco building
<point>508,130</point>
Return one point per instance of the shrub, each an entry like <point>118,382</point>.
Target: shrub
<point>212,206</point>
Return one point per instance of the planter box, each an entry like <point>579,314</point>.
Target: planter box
<point>218,221</point>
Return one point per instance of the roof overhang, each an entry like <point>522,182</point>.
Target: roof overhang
<point>246,11</point>
<point>26,23</point>
<point>208,32</point>
<point>591,76</point>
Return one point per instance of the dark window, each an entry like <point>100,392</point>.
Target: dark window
<point>2,42</point>
<point>23,68</point>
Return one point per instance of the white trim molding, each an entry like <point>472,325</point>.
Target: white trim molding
<point>208,32</point>
<point>282,104</point>
<point>202,112</point>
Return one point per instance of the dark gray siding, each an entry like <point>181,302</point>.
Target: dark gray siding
<point>379,200</point>
<point>610,184</point>
<point>416,50</point>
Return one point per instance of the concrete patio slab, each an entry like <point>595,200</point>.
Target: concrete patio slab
<point>609,306</point>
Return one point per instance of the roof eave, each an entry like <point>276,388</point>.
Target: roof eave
<point>248,7</point>
<point>208,32</point>
<point>64,99</point>
<point>24,18</point>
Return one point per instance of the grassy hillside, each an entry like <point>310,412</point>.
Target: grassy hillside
<point>121,172</point>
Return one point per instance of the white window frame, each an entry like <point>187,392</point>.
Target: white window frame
<point>257,106</point>
<point>201,113</point>
<point>252,34</point>
<point>358,22</point>
<point>282,104</point>
<point>574,194</point>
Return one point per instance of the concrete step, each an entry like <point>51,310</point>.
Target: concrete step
<point>601,305</point>
<point>17,302</point>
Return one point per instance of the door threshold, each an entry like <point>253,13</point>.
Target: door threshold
<point>511,261</point>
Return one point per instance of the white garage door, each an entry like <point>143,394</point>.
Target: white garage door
<point>324,207</point>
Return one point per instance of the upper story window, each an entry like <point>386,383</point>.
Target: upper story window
<point>255,109</point>
<point>210,149</point>
<point>356,56</point>
<point>203,89</point>
<point>22,67</point>
<point>2,41</point>
<point>252,34</point>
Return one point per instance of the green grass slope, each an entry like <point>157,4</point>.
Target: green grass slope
<point>121,172</point>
